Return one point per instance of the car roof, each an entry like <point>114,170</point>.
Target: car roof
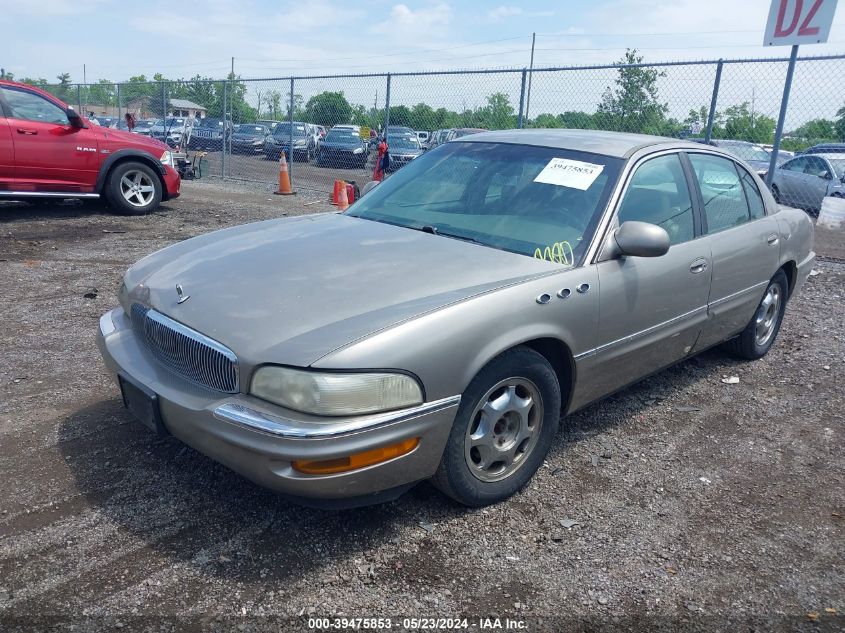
<point>618,144</point>
<point>832,155</point>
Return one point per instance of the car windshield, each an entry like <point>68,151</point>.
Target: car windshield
<point>175,122</point>
<point>283,130</point>
<point>346,137</point>
<point>537,201</point>
<point>211,123</point>
<point>747,152</point>
<point>252,130</point>
<point>838,163</point>
<point>403,142</point>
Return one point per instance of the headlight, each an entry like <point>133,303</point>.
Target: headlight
<point>334,394</point>
<point>358,150</point>
<point>166,158</point>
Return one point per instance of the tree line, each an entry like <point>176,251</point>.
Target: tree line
<point>631,104</point>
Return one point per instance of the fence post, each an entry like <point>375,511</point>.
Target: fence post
<point>290,140</point>
<point>713,100</point>
<point>387,107</point>
<point>118,102</point>
<point>223,140</point>
<point>164,104</point>
<point>521,100</point>
<point>79,99</point>
<point>787,86</point>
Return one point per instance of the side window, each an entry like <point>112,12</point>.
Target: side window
<point>658,194</point>
<point>816,167</point>
<point>28,106</point>
<point>796,165</point>
<point>752,195</point>
<point>724,199</point>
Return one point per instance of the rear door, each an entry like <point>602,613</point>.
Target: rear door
<point>743,240</point>
<point>7,153</point>
<point>50,154</point>
<point>653,308</point>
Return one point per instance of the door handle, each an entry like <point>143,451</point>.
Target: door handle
<point>698,266</point>
<point>27,131</point>
<point>772,240</point>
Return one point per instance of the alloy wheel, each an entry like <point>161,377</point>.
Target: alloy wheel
<point>137,188</point>
<point>504,429</point>
<point>765,321</point>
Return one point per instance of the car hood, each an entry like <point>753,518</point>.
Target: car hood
<point>121,138</point>
<point>332,145</point>
<point>293,290</point>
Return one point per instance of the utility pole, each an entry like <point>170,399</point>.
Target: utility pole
<point>233,68</point>
<point>530,75</point>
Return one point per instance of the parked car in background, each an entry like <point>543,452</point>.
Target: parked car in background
<point>805,180</point>
<point>107,121</point>
<point>304,146</point>
<point>460,132</point>
<point>454,313</point>
<point>172,130</point>
<point>755,155</point>
<point>403,149</point>
<point>249,138</point>
<point>437,137</point>
<point>314,131</point>
<point>144,126</point>
<point>210,134</point>
<point>54,152</point>
<point>826,148</point>
<point>270,123</point>
<point>423,138</point>
<point>343,146</point>
<point>783,154</point>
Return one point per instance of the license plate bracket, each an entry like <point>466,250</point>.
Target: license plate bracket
<point>142,403</point>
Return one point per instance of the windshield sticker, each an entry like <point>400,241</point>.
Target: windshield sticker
<point>574,174</point>
<point>559,253</point>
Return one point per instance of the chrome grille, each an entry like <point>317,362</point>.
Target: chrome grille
<point>185,351</point>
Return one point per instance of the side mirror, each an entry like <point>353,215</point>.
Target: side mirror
<point>640,239</point>
<point>74,119</point>
<point>826,175</point>
<point>369,187</point>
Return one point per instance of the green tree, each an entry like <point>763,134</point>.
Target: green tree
<point>817,129</point>
<point>328,108</point>
<point>498,114</point>
<point>633,105</point>
<point>742,124</point>
<point>62,91</point>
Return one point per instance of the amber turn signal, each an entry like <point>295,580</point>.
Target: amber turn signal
<point>358,460</point>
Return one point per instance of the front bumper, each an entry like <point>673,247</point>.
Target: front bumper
<point>260,440</point>
<point>172,182</point>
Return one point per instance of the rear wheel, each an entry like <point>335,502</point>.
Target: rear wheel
<point>759,335</point>
<point>133,189</point>
<point>506,422</point>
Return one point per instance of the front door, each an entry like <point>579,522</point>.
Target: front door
<point>50,154</point>
<point>652,308</point>
<point>792,181</point>
<point>743,240</point>
<point>817,177</point>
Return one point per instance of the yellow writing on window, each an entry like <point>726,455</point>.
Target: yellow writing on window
<point>559,252</point>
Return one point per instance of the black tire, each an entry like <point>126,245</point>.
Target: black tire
<point>776,193</point>
<point>454,477</point>
<point>748,344</point>
<point>114,193</point>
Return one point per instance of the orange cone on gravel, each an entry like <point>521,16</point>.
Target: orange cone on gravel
<point>343,199</point>
<point>284,178</point>
<point>338,185</point>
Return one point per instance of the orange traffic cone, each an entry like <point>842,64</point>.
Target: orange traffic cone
<point>343,199</point>
<point>338,185</point>
<point>284,179</point>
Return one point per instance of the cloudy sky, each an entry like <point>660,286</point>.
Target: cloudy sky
<point>278,37</point>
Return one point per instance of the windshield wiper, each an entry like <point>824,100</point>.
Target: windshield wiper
<point>434,230</point>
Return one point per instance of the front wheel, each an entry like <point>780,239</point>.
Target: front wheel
<point>506,422</point>
<point>133,189</point>
<point>759,335</point>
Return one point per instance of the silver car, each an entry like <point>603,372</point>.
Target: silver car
<point>442,326</point>
<point>805,180</point>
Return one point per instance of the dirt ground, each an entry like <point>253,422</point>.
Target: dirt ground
<point>682,503</point>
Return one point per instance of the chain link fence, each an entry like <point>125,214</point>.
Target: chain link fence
<point>328,126</point>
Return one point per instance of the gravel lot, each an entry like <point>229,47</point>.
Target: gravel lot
<point>680,503</point>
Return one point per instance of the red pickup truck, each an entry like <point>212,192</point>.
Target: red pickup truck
<point>48,150</point>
